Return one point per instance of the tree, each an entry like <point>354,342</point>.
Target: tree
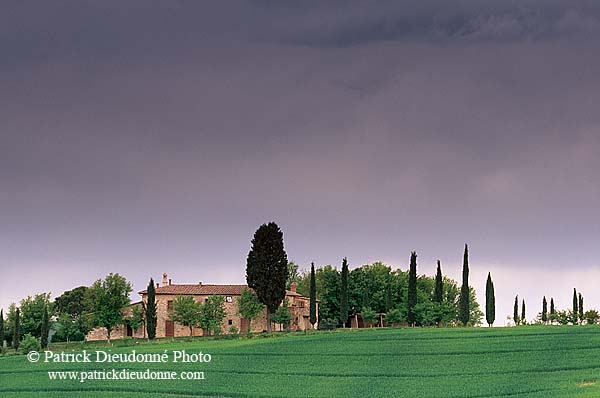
<point>439,284</point>
<point>412,289</point>
<point>150,309</point>
<point>393,317</point>
<point>388,295</point>
<point>282,316</point>
<point>544,310</point>
<point>344,293</point>
<point>463,307</point>
<point>1,329</point>
<point>313,296</point>
<point>249,306</point>
<point>293,274</point>
<point>591,317</point>
<point>212,314</point>
<point>552,317</point>
<point>267,267</point>
<point>328,289</point>
<point>575,307</point>
<point>74,304</point>
<point>32,313</point>
<point>45,329</point>
<point>68,329</point>
<point>9,324</point>
<point>490,301</point>
<point>136,320</point>
<point>369,316</point>
<point>17,331</point>
<point>186,312</point>
<point>523,319</point>
<point>108,297</point>
<point>580,309</point>
<point>516,311</point>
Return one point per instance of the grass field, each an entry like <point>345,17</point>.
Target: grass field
<point>499,362</point>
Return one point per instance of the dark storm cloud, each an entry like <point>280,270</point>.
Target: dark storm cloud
<point>156,136</point>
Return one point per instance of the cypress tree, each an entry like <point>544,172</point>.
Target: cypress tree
<point>388,294</point>
<point>516,311</point>
<point>523,319</point>
<point>44,329</point>
<point>344,293</point>
<point>580,308</point>
<point>313,295</point>
<point>463,309</point>
<point>544,310</point>
<point>575,306</point>
<point>151,310</point>
<point>552,310</point>
<point>490,301</point>
<point>1,329</point>
<point>439,284</point>
<point>267,268</point>
<point>17,331</point>
<point>412,289</point>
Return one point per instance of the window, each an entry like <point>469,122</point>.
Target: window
<point>230,322</point>
<point>229,299</point>
<point>301,304</point>
<point>170,305</point>
<point>206,300</point>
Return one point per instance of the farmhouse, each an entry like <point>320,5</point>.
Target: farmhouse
<point>167,292</point>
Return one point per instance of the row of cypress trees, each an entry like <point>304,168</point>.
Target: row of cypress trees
<point>16,340</point>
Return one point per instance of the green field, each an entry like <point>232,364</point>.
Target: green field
<point>500,362</point>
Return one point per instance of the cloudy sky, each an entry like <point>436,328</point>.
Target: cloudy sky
<point>156,136</point>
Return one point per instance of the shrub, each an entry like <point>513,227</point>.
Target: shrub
<point>369,316</point>
<point>591,316</point>
<point>29,343</point>
<point>393,317</point>
<point>327,324</point>
<point>233,330</point>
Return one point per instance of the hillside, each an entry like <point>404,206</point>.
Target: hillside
<point>525,361</point>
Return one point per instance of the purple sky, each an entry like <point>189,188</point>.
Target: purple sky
<point>158,136</point>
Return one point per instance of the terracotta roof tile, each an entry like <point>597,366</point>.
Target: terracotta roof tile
<point>206,290</point>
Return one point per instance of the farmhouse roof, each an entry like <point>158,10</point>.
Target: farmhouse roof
<point>206,290</point>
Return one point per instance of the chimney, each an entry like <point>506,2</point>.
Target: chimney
<point>165,279</point>
<point>200,283</point>
<point>157,284</point>
<point>169,281</point>
<point>293,287</point>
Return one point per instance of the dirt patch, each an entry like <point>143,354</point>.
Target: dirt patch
<point>587,383</point>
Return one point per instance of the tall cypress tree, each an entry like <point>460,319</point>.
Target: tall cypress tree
<point>267,268</point>
<point>44,329</point>
<point>490,301</point>
<point>575,307</point>
<point>580,308</point>
<point>313,295</point>
<point>151,310</point>
<point>388,294</point>
<point>412,289</point>
<point>523,319</point>
<point>17,331</point>
<point>544,310</point>
<point>516,311</point>
<point>463,309</point>
<point>439,284</point>
<point>1,329</point>
<point>344,293</point>
<point>552,310</point>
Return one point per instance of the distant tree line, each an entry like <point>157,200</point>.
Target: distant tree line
<point>403,296</point>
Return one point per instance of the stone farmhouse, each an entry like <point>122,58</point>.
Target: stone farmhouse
<point>299,307</point>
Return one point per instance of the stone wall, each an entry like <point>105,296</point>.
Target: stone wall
<point>299,308</point>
